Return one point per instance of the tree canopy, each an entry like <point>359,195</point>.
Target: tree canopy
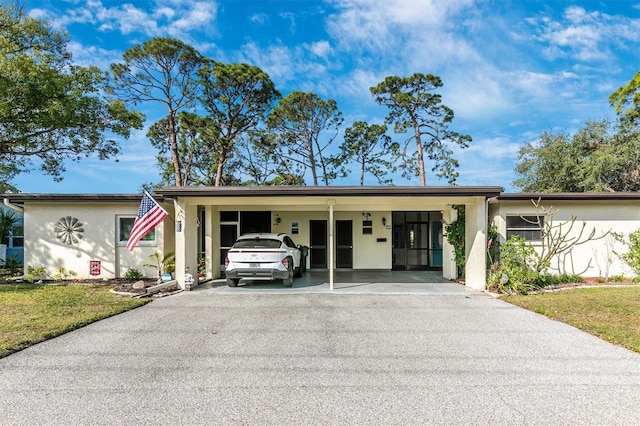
<point>160,70</point>
<point>304,126</point>
<point>414,106</point>
<point>626,100</point>
<point>599,157</point>
<point>370,148</point>
<point>51,110</point>
<point>237,98</point>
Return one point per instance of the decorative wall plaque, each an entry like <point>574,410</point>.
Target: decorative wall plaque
<point>68,230</point>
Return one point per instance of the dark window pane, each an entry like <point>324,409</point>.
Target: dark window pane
<point>126,223</point>
<point>257,243</point>
<point>251,222</point>
<point>529,235</point>
<point>524,222</point>
<point>228,216</point>
<point>228,235</point>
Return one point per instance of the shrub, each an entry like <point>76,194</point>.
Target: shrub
<point>62,274</point>
<point>11,267</point>
<point>133,274</point>
<point>32,274</point>
<point>632,256</point>
<point>570,278</point>
<point>517,260</point>
<point>164,264</point>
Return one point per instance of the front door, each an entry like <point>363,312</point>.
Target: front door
<point>344,244</point>
<point>318,244</point>
<point>417,240</point>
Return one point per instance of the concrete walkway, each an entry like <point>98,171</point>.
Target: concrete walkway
<point>209,357</point>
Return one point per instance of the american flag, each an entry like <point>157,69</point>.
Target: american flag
<point>150,215</point>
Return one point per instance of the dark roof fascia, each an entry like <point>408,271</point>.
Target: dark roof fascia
<point>567,196</point>
<point>330,191</point>
<point>23,197</point>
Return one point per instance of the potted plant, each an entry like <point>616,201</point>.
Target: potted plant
<point>164,264</point>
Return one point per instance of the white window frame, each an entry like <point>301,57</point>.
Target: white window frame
<point>146,241</point>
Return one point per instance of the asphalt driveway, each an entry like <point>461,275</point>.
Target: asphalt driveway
<point>206,357</point>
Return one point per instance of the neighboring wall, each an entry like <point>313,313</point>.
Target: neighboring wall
<point>596,258</point>
<point>98,240</point>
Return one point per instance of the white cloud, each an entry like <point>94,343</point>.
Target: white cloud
<point>321,49</point>
<point>496,148</point>
<point>259,18</point>
<point>92,55</point>
<point>379,25</point>
<point>166,18</point>
<point>585,36</point>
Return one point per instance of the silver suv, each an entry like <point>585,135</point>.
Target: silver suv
<point>265,257</point>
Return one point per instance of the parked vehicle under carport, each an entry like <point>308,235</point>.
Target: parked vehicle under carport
<point>265,256</point>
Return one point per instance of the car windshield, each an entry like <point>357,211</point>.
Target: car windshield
<point>257,243</point>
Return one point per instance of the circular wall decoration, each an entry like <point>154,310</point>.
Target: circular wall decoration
<point>68,230</point>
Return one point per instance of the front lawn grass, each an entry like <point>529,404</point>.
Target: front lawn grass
<point>611,313</point>
<point>31,313</point>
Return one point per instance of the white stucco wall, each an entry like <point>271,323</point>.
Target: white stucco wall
<point>98,242</point>
<point>368,253</point>
<point>594,258</point>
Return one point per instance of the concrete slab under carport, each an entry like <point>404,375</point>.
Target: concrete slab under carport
<point>350,281</point>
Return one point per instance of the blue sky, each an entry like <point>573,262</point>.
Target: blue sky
<point>511,69</point>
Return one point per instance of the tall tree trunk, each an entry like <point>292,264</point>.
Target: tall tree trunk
<point>312,164</point>
<point>221,161</point>
<point>173,145</point>
<point>420,151</point>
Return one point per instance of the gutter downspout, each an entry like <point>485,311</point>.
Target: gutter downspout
<point>13,206</point>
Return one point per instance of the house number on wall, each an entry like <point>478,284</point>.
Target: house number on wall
<point>68,230</point>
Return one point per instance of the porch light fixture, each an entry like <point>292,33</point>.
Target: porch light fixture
<point>278,220</point>
<point>384,221</point>
<point>366,215</point>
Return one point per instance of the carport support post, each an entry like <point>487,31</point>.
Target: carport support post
<point>186,246</point>
<point>331,204</point>
<point>476,244</point>
<point>449,267</point>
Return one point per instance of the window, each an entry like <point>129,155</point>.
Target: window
<point>125,223</point>
<point>257,243</point>
<point>530,227</point>
<point>16,236</point>
<point>289,242</point>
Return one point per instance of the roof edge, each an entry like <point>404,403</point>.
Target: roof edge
<point>311,191</point>
<point>566,196</point>
<point>22,197</point>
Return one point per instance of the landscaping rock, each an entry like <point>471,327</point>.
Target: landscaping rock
<point>139,285</point>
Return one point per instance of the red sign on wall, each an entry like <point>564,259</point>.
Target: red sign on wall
<point>94,267</point>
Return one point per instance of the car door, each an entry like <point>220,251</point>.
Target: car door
<point>293,249</point>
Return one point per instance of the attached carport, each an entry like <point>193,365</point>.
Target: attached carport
<point>294,210</point>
